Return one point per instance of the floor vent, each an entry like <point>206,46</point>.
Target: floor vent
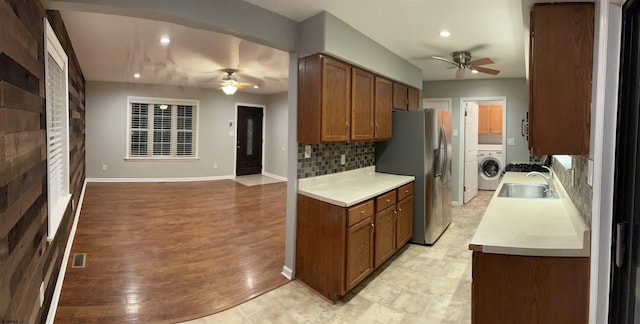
<point>79,260</point>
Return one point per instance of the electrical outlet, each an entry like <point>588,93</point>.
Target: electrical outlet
<point>307,151</point>
<point>511,141</point>
<point>104,167</point>
<point>343,159</point>
<point>215,165</point>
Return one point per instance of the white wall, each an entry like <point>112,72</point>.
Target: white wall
<point>516,92</point>
<point>106,123</point>
<point>275,143</point>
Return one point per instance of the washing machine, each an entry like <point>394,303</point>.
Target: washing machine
<point>491,165</point>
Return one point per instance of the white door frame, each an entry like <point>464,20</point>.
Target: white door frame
<point>461,145</point>
<point>235,134</point>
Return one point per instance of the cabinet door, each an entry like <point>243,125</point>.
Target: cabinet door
<point>399,96</point>
<point>413,99</point>
<point>484,113</point>
<point>495,121</point>
<point>383,108</point>
<point>336,92</point>
<point>405,221</point>
<point>384,235</point>
<point>561,66</point>
<point>359,252</point>
<point>362,86</point>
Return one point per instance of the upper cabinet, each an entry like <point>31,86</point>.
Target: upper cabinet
<point>338,102</point>
<point>489,119</point>
<point>324,112</point>
<point>362,101</point>
<point>561,55</point>
<point>383,108</point>
<point>405,98</point>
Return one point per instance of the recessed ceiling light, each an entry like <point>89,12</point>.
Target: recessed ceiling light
<point>445,33</point>
<point>165,40</point>
<point>136,75</point>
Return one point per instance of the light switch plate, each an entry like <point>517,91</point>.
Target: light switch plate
<point>590,172</point>
<point>511,141</point>
<point>455,132</point>
<point>343,159</point>
<point>307,151</point>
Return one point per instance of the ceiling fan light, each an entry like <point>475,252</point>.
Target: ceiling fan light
<point>474,71</point>
<point>229,89</point>
<point>445,33</point>
<point>255,86</point>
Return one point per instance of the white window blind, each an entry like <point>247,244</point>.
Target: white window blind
<point>57,117</point>
<point>161,128</point>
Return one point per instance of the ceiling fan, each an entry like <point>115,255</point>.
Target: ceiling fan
<point>462,61</point>
<point>230,83</point>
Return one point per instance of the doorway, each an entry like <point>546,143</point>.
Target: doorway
<point>483,137</point>
<point>249,140</point>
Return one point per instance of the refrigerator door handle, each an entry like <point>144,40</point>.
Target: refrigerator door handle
<point>443,154</point>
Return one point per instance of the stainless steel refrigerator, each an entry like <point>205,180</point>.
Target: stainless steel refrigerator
<point>421,147</point>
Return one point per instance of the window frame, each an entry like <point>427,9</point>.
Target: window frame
<point>174,119</point>
<point>57,203</point>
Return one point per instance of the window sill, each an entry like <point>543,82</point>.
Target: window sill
<point>154,159</point>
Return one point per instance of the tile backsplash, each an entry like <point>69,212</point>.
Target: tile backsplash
<point>580,191</point>
<point>325,158</point>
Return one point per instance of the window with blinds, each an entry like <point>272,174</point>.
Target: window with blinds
<point>161,128</point>
<point>57,129</point>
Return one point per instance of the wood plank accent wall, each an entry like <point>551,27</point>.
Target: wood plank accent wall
<point>26,258</point>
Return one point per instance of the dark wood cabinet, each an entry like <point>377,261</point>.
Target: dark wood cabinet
<point>337,247</point>
<point>404,223</point>
<point>324,94</point>
<point>405,98</point>
<point>385,235</point>
<point>359,252</point>
<point>383,107</point>
<point>362,105</point>
<point>561,62</point>
<point>529,289</point>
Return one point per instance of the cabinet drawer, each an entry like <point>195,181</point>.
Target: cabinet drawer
<point>385,200</point>
<point>360,212</point>
<point>405,191</point>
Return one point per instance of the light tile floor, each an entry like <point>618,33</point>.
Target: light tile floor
<point>419,284</point>
<point>255,179</point>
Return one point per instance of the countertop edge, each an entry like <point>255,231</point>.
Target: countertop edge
<point>406,180</point>
<point>584,252</point>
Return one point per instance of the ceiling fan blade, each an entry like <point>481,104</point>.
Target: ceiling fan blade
<point>460,74</point>
<point>245,84</point>
<point>486,70</point>
<point>482,61</point>
<point>444,60</point>
<point>476,48</point>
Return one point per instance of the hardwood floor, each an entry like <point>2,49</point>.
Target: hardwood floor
<point>166,252</point>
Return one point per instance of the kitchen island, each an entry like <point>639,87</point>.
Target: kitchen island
<point>348,224</point>
<point>530,259</point>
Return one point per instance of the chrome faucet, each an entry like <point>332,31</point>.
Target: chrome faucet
<point>548,178</point>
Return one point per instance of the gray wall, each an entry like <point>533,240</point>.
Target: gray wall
<point>325,33</point>
<point>275,139</point>
<point>106,116</point>
<point>517,104</point>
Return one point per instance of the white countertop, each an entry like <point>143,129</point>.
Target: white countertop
<point>348,188</point>
<point>532,227</point>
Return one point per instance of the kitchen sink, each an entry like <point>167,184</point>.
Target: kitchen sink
<point>522,190</point>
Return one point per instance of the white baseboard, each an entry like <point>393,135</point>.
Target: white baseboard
<point>287,272</point>
<point>225,177</point>
<point>456,204</point>
<point>271,175</point>
<point>65,259</point>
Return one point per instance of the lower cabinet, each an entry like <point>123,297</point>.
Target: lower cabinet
<point>529,289</point>
<point>337,247</point>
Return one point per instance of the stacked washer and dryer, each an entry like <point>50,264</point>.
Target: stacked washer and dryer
<point>491,164</point>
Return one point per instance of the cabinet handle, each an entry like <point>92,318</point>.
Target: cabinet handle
<point>400,209</point>
<point>406,191</point>
<point>388,200</point>
<point>373,225</point>
<point>362,212</point>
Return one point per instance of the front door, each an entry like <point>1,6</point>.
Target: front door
<point>249,143</point>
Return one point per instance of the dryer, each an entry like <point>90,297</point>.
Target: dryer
<point>491,165</point>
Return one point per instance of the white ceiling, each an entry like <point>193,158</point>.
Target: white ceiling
<point>113,48</point>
